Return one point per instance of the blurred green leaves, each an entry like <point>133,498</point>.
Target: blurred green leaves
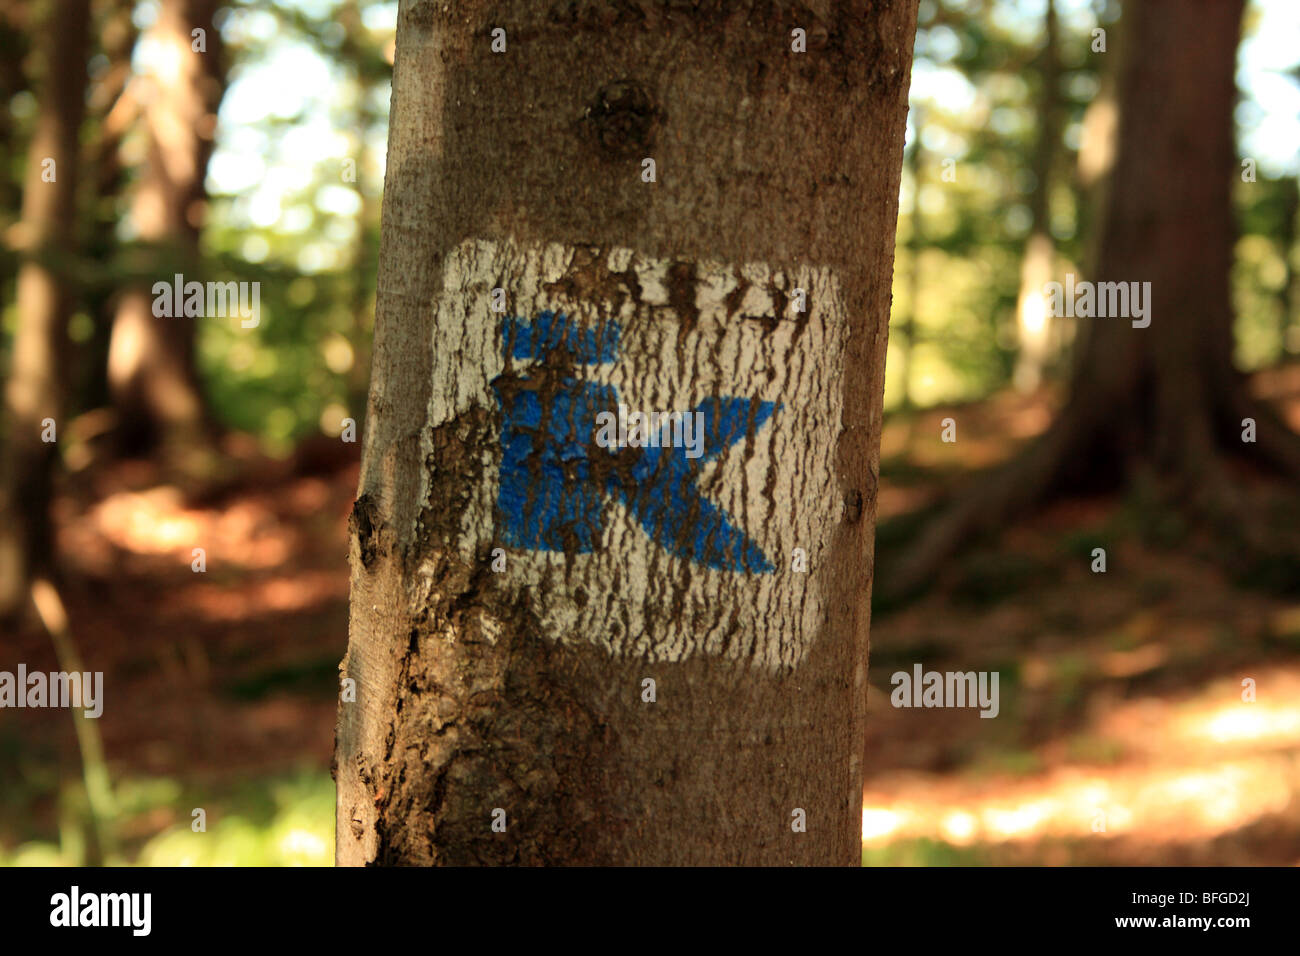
<point>283,820</point>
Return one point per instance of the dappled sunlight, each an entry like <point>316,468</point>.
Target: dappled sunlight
<point>1142,650</point>
<point>149,522</point>
<point>231,672</point>
<point>1192,769</point>
<point>276,819</point>
<point>157,522</point>
<point>265,824</point>
<point>878,822</point>
<point>1150,709</point>
<point>1257,724</point>
<point>280,594</point>
<point>1216,720</point>
<point>1158,805</point>
<point>305,848</point>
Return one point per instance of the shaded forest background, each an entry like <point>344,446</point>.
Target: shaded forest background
<point>1123,736</point>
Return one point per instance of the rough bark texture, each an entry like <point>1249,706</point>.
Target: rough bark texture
<point>523,690</point>
<point>151,363</point>
<point>1164,400</point>
<point>34,389</point>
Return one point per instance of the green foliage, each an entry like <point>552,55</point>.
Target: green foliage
<point>1079,544</point>
<point>277,822</point>
<point>923,852</point>
<point>1274,571</point>
<point>988,576</point>
<point>1089,749</point>
<point>976,97</point>
<point>1012,762</point>
<point>283,820</point>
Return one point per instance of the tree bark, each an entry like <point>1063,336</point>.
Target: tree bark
<point>16,36</point>
<point>904,339</point>
<point>34,390</point>
<point>1033,322</point>
<point>508,685</point>
<point>1163,399</point>
<point>113,110</point>
<point>1288,340</point>
<point>152,374</point>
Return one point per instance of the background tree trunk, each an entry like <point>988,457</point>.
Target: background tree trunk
<point>15,41</point>
<point>1165,399</point>
<point>1170,221</point>
<point>904,339</point>
<point>1286,296</point>
<point>523,691</point>
<point>151,362</point>
<point>1033,321</point>
<point>113,110</point>
<point>34,390</point>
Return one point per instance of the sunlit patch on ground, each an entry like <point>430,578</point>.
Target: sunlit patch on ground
<point>1150,714</point>
<point>277,819</point>
<point>1159,804</point>
<point>226,675</point>
<point>283,593</point>
<point>156,522</point>
<point>1169,776</point>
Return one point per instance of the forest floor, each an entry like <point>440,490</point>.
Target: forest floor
<point>1122,735</point>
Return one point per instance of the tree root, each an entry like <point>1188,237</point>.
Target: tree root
<point>999,497</point>
<point>1276,444</point>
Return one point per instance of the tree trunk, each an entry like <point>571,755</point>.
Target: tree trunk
<point>1152,392</point>
<point>904,338</point>
<point>16,36</point>
<point>113,110</point>
<point>364,246</point>
<point>151,363</point>
<point>1095,167</point>
<point>1033,321</point>
<point>1288,334</point>
<point>34,390</point>
<point>1165,398</point>
<point>516,584</point>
